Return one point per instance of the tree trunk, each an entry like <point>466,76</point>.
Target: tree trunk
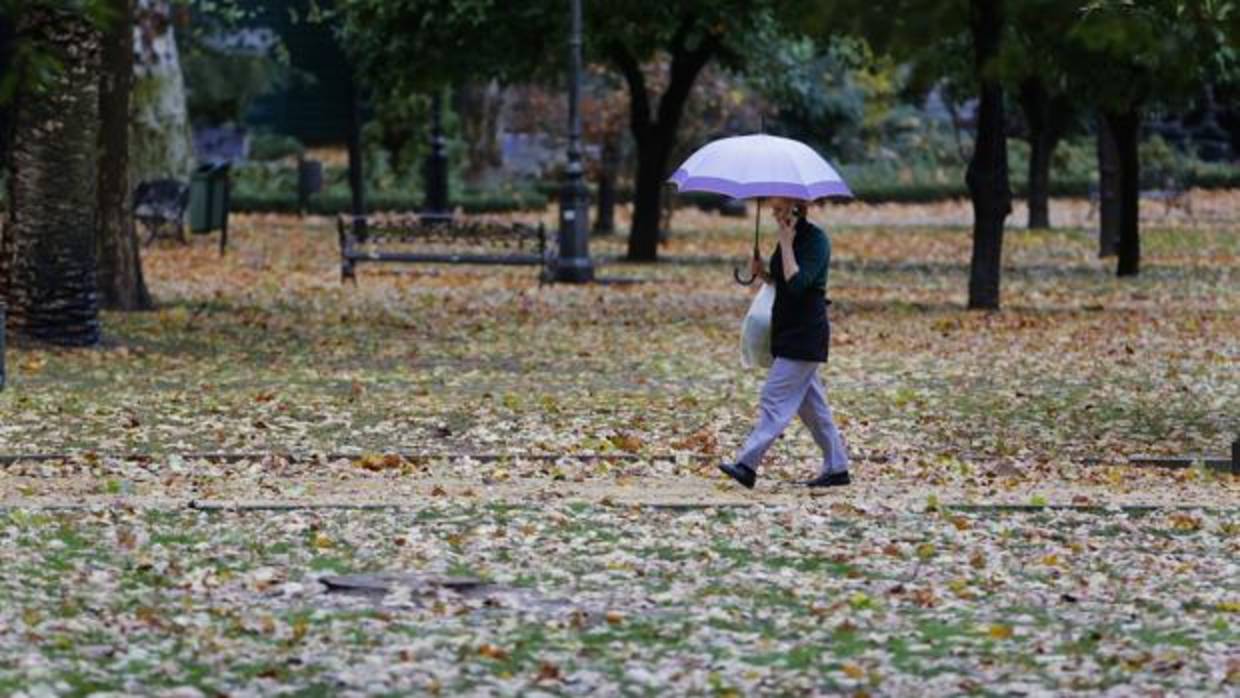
<point>655,136</point>
<point>6,64</point>
<point>1108,191</point>
<point>987,175</point>
<point>121,285</point>
<point>1035,103</point>
<point>161,144</point>
<point>50,237</point>
<point>608,170</point>
<point>652,163</point>
<point>478,108</point>
<point>1126,127</point>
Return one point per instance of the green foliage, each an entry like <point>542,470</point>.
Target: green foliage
<point>221,85</point>
<point>819,98</point>
<point>1158,50</point>
<point>397,137</point>
<point>273,146</point>
<point>409,46</point>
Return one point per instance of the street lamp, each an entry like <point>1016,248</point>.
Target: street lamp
<point>573,264</point>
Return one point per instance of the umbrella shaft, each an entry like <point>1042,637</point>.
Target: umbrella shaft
<point>757,223</point>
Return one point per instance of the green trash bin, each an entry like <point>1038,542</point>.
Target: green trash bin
<point>208,201</point>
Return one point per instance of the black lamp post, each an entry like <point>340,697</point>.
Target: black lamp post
<point>573,264</point>
<point>436,167</point>
<point>357,180</point>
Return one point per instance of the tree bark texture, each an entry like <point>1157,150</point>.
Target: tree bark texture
<point>49,265</point>
<point>7,36</point>
<point>121,285</point>
<point>161,143</point>
<point>987,175</point>
<point>655,133</point>
<point>1126,127</point>
<point>1108,190</point>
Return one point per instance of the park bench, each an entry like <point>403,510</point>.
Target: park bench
<point>159,208</point>
<point>439,239</point>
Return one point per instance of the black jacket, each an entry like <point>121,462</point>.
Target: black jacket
<point>799,326</point>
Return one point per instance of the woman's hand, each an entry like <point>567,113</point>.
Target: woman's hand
<point>787,228</point>
<point>787,231</point>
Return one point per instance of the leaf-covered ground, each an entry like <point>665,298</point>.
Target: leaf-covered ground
<point>560,443</point>
<point>603,600</point>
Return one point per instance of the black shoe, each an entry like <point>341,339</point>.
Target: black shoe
<point>829,480</point>
<point>741,473</point>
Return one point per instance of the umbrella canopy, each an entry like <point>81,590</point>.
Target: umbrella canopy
<point>746,167</point>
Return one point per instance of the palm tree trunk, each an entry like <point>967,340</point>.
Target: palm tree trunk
<point>6,64</point>
<point>50,237</point>
<point>120,266</point>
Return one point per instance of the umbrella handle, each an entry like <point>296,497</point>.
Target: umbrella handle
<point>757,253</point>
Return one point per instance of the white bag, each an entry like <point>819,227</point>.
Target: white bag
<point>756,330</point>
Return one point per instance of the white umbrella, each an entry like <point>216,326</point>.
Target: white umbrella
<point>756,166</point>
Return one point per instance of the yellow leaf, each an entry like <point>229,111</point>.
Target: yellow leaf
<point>853,671</point>
<point>300,628</point>
<point>1000,632</point>
<point>1185,522</point>
<point>859,600</point>
<point>33,364</point>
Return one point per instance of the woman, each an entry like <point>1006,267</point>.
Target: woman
<point>800,335</point>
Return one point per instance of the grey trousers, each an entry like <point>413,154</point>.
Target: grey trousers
<point>793,388</point>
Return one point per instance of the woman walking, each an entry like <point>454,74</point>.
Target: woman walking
<point>800,338</point>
